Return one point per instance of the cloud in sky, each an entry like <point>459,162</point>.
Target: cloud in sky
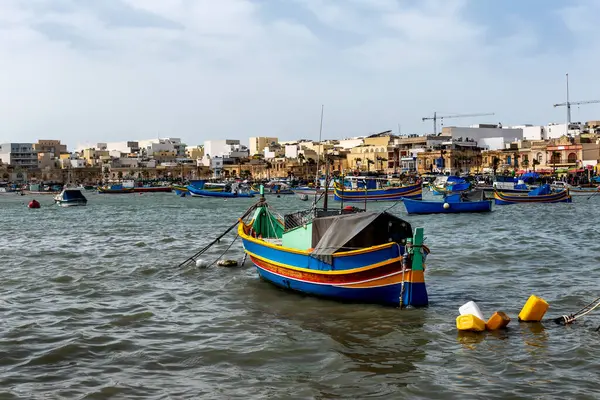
<point>88,71</point>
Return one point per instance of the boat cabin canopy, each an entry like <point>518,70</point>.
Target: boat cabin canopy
<point>73,194</point>
<point>356,231</point>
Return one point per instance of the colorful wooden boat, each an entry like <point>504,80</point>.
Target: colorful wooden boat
<point>367,257</point>
<point>543,194</point>
<point>341,193</point>
<point>210,193</point>
<point>471,202</point>
<point>115,189</point>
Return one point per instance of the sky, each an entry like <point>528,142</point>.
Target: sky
<point>112,70</point>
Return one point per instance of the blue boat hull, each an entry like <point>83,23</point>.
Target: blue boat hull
<point>437,207</point>
<point>385,295</point>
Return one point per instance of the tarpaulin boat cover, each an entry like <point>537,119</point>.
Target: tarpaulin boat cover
<point>542,190</point>
<point>74,194</point>
<point>356,231</point>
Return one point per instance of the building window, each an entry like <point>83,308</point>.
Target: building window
<point>572,158</point>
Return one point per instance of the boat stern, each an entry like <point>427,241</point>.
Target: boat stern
<point>414,290</point>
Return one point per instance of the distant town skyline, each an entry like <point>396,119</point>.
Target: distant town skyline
<point>115,70</point>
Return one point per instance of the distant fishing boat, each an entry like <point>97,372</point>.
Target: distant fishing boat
<point>341,193</point>
<point>235,192</point>
<point>115,189</point>
<point>470,202</point>
<point>70,197</point>
<point>543,194</point>
<point>444,185</point>
<point>367,257</point>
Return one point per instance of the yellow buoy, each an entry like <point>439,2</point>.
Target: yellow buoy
<point>446,206</point>
<point>498,320</point>
<point>469,322</point>
<point>534,309</point>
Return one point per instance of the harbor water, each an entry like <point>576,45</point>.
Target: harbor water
<point>93,305</point>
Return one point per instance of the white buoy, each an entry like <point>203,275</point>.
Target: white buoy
<point>201,263</point>
<point>446,206</point>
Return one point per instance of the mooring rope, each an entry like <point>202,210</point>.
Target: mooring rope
<point>569,319</point>
<point>208,246</point>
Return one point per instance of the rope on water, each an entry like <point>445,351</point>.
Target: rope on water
<point>223,253</point>
<point>208,246</point>
<point>569,319</point>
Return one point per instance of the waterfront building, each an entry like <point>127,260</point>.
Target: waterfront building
<point>257,145</point>
<point>20,155</point>
<point>487,136</point>
<point>195,152</point>
<point>50,146</point>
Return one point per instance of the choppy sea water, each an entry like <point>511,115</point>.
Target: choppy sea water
<point>93,305</point>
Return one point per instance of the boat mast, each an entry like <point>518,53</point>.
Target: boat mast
<point>319,148</point>
<point>326,182</point>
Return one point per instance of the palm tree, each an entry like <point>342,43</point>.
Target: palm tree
<point>357,161</point>
<point>369,162</point>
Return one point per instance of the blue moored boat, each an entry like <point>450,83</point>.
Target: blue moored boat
<point>542,194</point>
<point>367,257</point>
<point>471,202</point>
<point>211,193</point>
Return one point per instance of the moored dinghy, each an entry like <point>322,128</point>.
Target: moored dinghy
<point>70,197</point>
<point>469,202</point>
<point>368,257</point>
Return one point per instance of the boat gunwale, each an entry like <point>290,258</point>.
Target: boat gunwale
<point>242,233</point>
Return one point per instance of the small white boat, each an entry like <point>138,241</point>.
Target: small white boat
<point>70,197</point>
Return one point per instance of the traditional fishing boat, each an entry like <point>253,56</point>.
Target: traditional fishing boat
<point>469,202</point>
<point>115,189</point>
<point>70,197</point>
<point>444,185</point>
<point>236,191</point>
<point>368,257</point>
<point>583,191</point>
<point>341,193</point>
<point>542,194</point>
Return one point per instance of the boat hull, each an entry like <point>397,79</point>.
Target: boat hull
<point>506,199</point>
<point>159,189</point>
<point>62,203</point>
<point>373,275</point>
<point>437,207</point>
<point>115,191</point>
<point>390,194</point>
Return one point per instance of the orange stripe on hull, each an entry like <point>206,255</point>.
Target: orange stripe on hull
<point>385,275</point>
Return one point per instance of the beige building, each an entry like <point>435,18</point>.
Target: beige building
<point>195,152</point>
<point>257,145</point>
<point>50,146</point>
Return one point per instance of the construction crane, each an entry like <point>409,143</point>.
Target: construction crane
<point>568,104</point>
<point>441,118</point>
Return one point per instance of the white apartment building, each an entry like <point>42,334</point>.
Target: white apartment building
<point>19,155</point>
